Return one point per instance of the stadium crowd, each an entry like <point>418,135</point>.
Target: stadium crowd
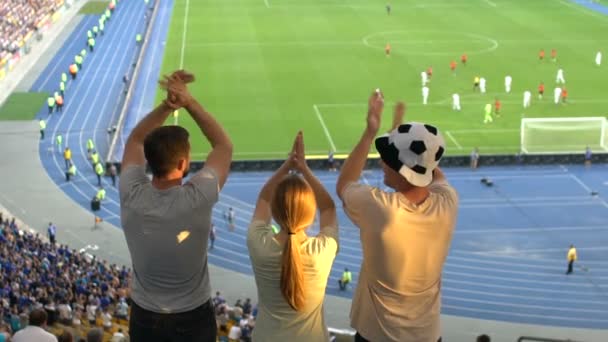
<point>71,293</point>
<point>76,291</point>
<point>21,18</point>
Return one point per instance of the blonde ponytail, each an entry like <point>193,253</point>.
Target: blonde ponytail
<point>293,208</point>
<point>292,275</point>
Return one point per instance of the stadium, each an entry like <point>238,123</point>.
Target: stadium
<point>516,88</point>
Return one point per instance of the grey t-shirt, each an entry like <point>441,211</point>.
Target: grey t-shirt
<point>167,233</point>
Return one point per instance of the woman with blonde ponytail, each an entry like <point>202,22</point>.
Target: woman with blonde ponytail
<point>291,268</point>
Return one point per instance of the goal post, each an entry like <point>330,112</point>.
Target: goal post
<point>563,135</point>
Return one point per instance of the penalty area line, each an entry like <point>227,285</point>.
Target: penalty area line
<point>325,129</point>
<point>449,134</point>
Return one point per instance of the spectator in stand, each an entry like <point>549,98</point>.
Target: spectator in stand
<point>52,232</point>
<point>106,317</point>
<point>35,331</point>
<point>92,313</point>
<point>235,334</point>
<point>5,330</point>
<point>218,299</point>
<point>96,335</point>
<point>405,234</point>
<point>247,307</point>
<point>172,281</point>
<point>118,336</point>
<point>291,269</point>
<point>122,309</point>
<point>483,338</point>
<point>65,336</point>
<point>588,156</point>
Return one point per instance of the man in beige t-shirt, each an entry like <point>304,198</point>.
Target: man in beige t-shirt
<point>405,234</point>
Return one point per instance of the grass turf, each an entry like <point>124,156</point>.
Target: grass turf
<point>94,7</point>
<point>262,66</point>
<point>22,106</point>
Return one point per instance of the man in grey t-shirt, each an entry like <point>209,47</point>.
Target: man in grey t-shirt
<point>166,223</point>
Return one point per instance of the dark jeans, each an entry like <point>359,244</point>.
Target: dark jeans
<point>359,338</point>
<point>197,325</point>
<point>570,264</point>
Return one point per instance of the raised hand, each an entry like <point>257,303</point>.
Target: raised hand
<point>184,76</point>
<point>374,112</point>
<point>298,155</point>
<point>398,114</point>
<point>178,95</point>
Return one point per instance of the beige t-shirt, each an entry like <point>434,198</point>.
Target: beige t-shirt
<point>276,320</point>
<point>398,296</point>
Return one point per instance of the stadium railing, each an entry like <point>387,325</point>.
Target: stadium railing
<point>542,339</point>
<point>131,87</point>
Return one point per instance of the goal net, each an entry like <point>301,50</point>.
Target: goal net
<point>563,135</point>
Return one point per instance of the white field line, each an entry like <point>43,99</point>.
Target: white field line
<point>581,183</point>
<point>325,129</point>
<point>490,3</point>
<point>586,188</point>
<point>184,31</point>
<point>267,3</point>
<point>453,139</point>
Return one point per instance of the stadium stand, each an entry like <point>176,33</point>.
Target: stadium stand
<point>19,20</point>
<point>77,291</point>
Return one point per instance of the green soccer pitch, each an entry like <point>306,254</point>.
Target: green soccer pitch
<point>268,68</point>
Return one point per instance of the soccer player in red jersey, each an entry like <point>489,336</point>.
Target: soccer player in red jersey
<point>497,105</point>
<point>541,54</point>
<point>429,72</point>
<point>553,55</point>
<point>463,58</point>
<point>453,65</point>
<point>387,49</point>
<point>564,94</point>
<point>541,90</point>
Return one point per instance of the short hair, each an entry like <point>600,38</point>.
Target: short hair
<point>95,335</point>
<point>65,336</point>
<point>164,147</point>
<point>37,317</point>
<point>483,338</point>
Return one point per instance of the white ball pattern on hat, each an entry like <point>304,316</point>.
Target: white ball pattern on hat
<point>414,150</point>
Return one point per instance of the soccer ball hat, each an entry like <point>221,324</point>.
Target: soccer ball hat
<point>413,150</point>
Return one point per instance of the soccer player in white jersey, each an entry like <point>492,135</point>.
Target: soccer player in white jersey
<point>425,95</point>
<point>424,78</point>
<point>482,85</point>
<point>598,58</point>
<point>557,93</point>
<point>456,102</point>
<point>527,98</point>
<point>508,80</point>
<point>559,79</point>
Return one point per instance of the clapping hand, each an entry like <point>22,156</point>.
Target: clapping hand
<point>178,95</point>
<point>374,112</point>
<point>398,114</point>
<point>297,156</point>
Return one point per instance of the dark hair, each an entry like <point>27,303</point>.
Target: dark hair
<point>37,317</point>
<point>95,335</point>
<point>483,338</point>
<point>164,147</point>
<point>66,336</point>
